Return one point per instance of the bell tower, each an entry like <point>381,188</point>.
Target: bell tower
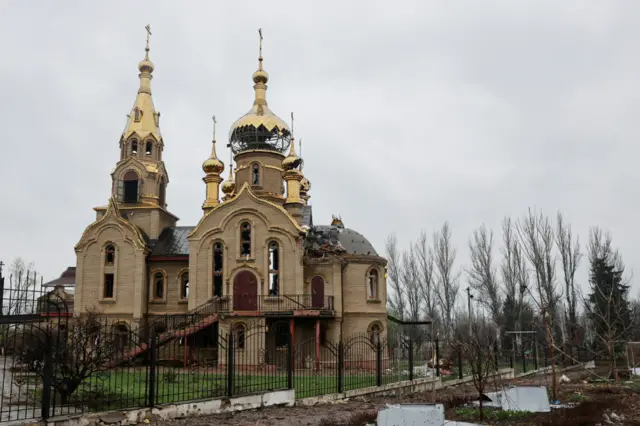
<point>140,179</point>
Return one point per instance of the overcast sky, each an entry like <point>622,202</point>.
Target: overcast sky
<point>411,112</point>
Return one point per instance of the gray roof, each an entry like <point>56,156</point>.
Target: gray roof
<point>173,241</point>
<point>352,241</point>
<point>307,217</point>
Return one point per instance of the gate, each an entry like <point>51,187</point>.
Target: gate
<point>316,368</point>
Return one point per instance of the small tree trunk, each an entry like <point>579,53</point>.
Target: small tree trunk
<point>553,358</point>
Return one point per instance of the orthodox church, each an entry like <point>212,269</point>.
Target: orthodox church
<point>255,259</point>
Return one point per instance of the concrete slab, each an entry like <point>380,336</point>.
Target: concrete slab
<point>412,415</point>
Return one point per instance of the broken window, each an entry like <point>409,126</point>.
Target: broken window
<point>274,268</point>
<point>372,284</point>
<point>255,173</point>
<point>245,239</point>
<point>108,286</point>
<point>130,187</point>
<point>134,147</point>
<point>110,255</point>
<point>218,252</point>
<point>158,289</point>
<point>184,285</point>
<point>162,192</point>
<point>148,148</point>
<point>239,334</point>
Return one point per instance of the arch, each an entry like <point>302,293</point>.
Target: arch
<point>374,330</point>
<point>255,173</point>
<point>120,333</point>
<point>134,147</point>
<point>317,291</point>
<point>162,192</point>
<point>246,234</point>
<point>218,268</point>
<point>129,187</point>
<point>109,254</point>
<point>245,291</point>
<point>183,281</point>
<point>274,261</point>
<point>158,284</point>
<point>239,332</point>
<point>373,283</point>
<point>148,148</point>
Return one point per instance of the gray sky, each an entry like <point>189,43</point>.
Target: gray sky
<point>411,112</point>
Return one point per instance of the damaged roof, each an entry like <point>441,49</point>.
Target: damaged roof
<point>173,241</point>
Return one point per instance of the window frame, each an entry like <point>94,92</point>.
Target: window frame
<point>154,297</point>
<point>372,291</point>
<point>239,338</point>
<point>113,286</point>
<point>271,271</point>
<point>244,241</point>
<point>109,249</point>
<point>181,282</point>
<point>217,275</point>
<point>257,167</point>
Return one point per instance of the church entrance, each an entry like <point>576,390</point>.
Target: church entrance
<point>317,292</point>
<point>245,292</point>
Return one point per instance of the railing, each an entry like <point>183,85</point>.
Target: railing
<point>284,303</point>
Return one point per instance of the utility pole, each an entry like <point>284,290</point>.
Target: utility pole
<point>1,288</point>
<point>469,297</point>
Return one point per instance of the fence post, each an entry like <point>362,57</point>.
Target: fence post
<point>290,363</point>
<point>378,363</point>
<point>153,368</point>
<point>230,352</point>
<point>495,355</point>
<point>410,359</point>
<point>437,359</point>
<point>340,366</point>
<point>48,373</point>
<point>460,375</point>
<point>524,360</point>
<point>535,359</point>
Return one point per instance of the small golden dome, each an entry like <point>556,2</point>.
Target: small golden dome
<point>260,76</point>
<point>291,162</point>
<point>146,65</point>
<point>212,165</point>
<point>305,185</point>
<point>228,186</point>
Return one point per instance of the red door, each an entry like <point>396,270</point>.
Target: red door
<point>245,292</point>
<point>317,292</point>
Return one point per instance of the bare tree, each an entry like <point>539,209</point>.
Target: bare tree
<point>20,296</point>
<point>425,269</point>
<point>447,278</point>
<point>514,276</point>
<point>396,297</point>
<point>69,355</point>
<point>478,350</point>
<point>482,273</point>
<point>570,255</point>
<point>536,239</point>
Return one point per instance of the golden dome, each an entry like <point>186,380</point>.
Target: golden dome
<point>259,128</point>
<point>305,185</point>
<point>213,166</point>
<point>291,161</point>
<point>228,186</point>
<point>146,65</point>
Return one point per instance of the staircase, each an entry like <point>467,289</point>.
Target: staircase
<point>179,325</point>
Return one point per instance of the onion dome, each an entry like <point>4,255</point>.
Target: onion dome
<point>213,165</point>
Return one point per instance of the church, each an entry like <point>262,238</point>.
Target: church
<point>255,259</point>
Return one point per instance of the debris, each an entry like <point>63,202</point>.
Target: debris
<point>520,398</point>
<point>564,379</point>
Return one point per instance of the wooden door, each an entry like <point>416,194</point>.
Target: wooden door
<point>317,292</point>
<point>245,292</point>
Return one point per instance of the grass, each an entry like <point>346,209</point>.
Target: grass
<point>492,414</point>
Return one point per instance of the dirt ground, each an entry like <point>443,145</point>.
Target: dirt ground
<point>591,402</point>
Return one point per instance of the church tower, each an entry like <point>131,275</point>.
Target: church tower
<point>259,140</point>
<point>140,178</point>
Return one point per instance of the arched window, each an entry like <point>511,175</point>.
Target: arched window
<point>120,336</point>
<point>184,285</point>
<point>218,256</point>
<point>128,187</point>
<point>274,268</point>
<point>374,334</point>
<point>109,255</point>
<point>137,114</point>
<point>255,174</point>
<point>134,147</point>
<point>239,332</point>
<point>158,285</point>
<point>245,239</point>
<point>162,190</point>
<point>149,148</point>
<point>372,284</point>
